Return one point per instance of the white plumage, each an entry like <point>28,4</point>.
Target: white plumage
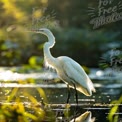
<point>72,73</point>
<point>67,69</point>
<point>85,117</point>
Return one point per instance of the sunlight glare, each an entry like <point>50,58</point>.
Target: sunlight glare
<point>99,73</point>
<point>8,75</point>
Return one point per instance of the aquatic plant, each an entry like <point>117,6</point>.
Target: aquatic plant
<point>15,110</point>
<point>113,116</point>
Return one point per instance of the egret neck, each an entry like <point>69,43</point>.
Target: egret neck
<point>50,60</point>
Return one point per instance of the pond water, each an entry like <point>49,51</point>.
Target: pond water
<point>98,105</point>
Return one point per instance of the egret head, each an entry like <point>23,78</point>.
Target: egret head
<point>44,31</point>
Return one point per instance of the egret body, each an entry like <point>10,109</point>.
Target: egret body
<point>67,69</point>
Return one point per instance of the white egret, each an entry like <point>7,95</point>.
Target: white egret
<point>67,69</point>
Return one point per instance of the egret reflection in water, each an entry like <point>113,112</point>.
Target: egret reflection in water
<point>85,117</point>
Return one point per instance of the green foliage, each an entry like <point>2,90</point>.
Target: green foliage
<point>74,39</point>
<point>84,46</point>
<point>15,110</point>
<point>21,105</point>
<point>112,116</point>
<point>79,44</point>
<point>16,45</point>
<point>87,70</point>
<point>35,61</point>
<point>17,50</point>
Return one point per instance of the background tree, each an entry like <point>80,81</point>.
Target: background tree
<point>75,36</point>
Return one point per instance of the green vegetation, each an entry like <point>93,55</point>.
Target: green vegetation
<point>74,34</point>
<point>75,37</point>
<point>113,116</point>
<point>21,105</point>
<point>20,112</point>
<point>14,109</point>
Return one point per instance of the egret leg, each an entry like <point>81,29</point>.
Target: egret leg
<point>76,95</point>
<point>68,94</point>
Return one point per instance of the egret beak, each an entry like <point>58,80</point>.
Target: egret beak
<point>36,31</point>
<point>33,30</point>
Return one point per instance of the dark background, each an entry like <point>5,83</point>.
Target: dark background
<point>69,20</point>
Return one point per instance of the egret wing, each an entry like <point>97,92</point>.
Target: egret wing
<point>78,76</point>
